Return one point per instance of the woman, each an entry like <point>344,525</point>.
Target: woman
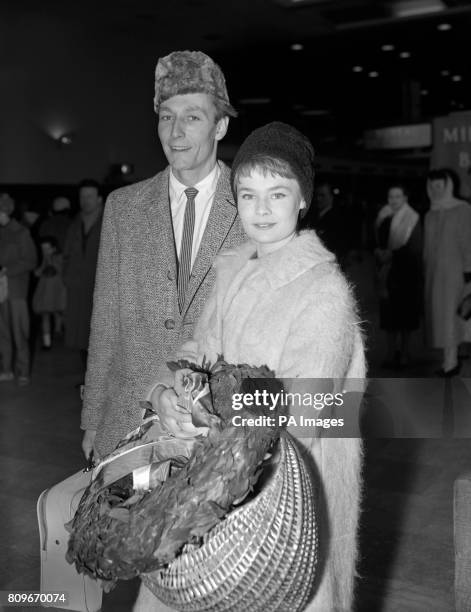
<point>399,259</point>
<point>281,300</point>
<point>447,254</point>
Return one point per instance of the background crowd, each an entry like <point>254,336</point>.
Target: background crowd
<point>408,263</point>
<point>48,266</point>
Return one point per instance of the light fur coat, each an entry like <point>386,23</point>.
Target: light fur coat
<point>293,311</point>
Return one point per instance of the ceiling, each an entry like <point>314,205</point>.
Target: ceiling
<point>315,86</point>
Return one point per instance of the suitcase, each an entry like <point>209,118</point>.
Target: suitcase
<point>56,506</point>
<point>145,445</point>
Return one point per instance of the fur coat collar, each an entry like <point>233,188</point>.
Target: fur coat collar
<point>303,252</point>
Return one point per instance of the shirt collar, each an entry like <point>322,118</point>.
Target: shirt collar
<point>209,182</point>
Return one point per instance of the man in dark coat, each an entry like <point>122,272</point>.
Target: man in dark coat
<point>17,259</point>
<point>160,237</point>
<point>80,260</point>
<point>57,224</point>
<point>330,224</point>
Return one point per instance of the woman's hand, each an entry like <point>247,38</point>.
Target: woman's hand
<point>188,351</point>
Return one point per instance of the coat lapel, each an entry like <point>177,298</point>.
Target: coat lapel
<point>157,209</point>
<point>221,218</point>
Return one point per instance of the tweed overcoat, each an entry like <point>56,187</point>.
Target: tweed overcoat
<point>136,323</point>
<point>293,310</point>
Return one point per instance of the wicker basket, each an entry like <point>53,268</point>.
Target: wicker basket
<point>261,558</point>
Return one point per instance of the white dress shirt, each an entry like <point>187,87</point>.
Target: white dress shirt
<point>203,202</point>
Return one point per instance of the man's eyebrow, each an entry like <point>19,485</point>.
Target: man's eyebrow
<point>186,109</point>
<point>195,107</point>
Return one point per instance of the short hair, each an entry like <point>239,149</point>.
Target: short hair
<point>222,110</point>
<point>400,186</point>
<point>90,183</point>
<point>265,164</point>
<point>7,203</point>
<point>443,174</point>
<point>65,204</point>
<point>325,184</point>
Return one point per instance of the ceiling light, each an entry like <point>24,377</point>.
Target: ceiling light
<point>443,27</point>
<point>357,68</point>
<point>456,78</point>
<point>126,169</point>
<point>404,54</point>
<point>445,73</point>
<point>387,48</point>
<point>297,47</point>
<point>424,92</point>
<point>373,74</point>
<point>408,8</point>
<point>65,140</point>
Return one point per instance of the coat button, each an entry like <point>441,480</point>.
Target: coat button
<point>169,324</point>
<point>171,275</point>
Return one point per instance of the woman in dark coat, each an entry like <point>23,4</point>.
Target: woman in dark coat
<point>399,259</point>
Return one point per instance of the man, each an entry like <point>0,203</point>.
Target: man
<point>80,260</point>
<point>17,259</point>
<point>58,222</point>
<point>159,240</point>
<point>329,224</point>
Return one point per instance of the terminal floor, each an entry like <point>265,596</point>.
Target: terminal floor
<point>406,543</point>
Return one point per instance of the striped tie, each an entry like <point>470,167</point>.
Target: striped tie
<point>184,267</point>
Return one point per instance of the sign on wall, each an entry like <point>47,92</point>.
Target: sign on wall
<point>452,147</point>
<point>411,136</point>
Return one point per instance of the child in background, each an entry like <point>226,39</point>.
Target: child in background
<point>49,298</point>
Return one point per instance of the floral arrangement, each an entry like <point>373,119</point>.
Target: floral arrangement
<point>119,533</point>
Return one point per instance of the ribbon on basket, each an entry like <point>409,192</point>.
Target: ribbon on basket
<point>147,453</point>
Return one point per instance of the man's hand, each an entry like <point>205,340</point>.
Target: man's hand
<point>88,442</point>
<point>173,418</point>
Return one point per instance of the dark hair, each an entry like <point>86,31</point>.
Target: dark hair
<point>400,186</point>
<point>265,164</point>
<point>90,183</point>
<point>443,174</point>
<point>325,184</point>
<point>222,109</point>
